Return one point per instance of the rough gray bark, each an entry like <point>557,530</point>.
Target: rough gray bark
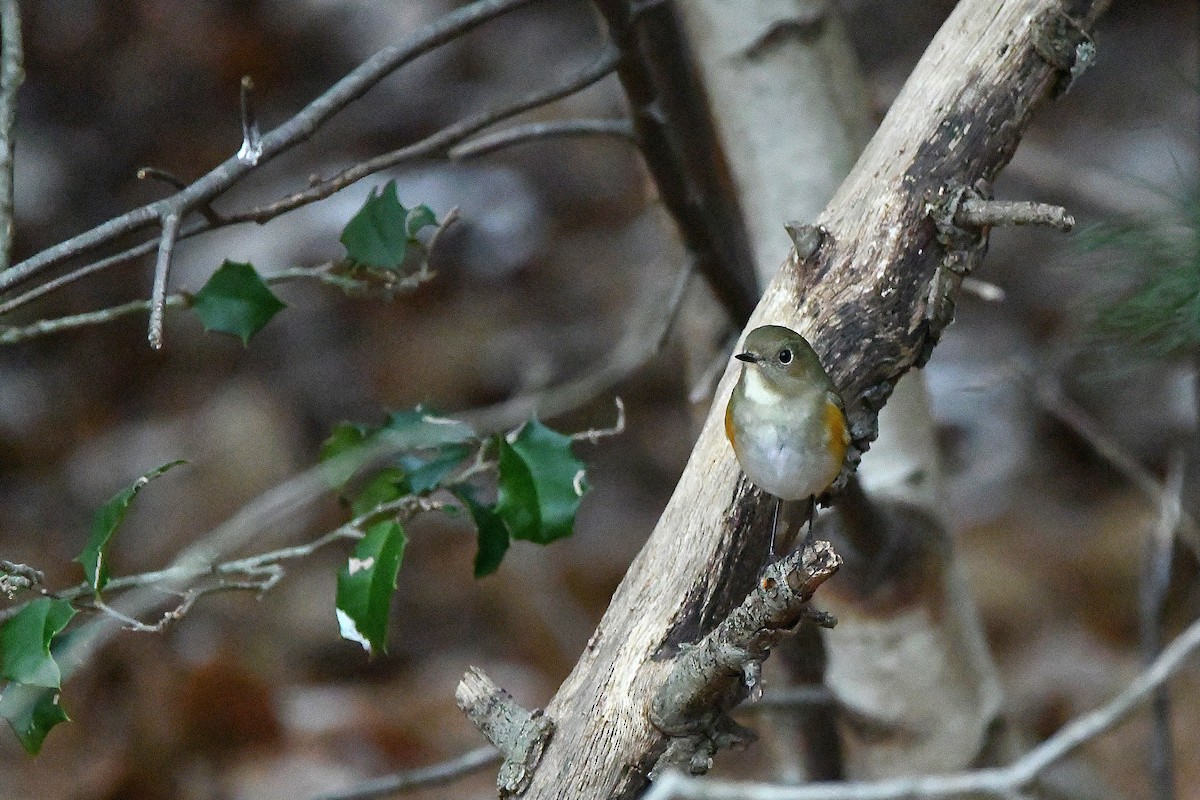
<point>872,299</point>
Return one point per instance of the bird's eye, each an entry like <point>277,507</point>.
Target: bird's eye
<point>785,356</point>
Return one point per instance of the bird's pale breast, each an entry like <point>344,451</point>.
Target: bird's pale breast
<point>791,447</point>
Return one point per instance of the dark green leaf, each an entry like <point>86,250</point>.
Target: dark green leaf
<point>344,452</point>
<point>31,711</point>
<point>418,218</point>
<point>94,557</point>
<point>421,430</point>
<point>390,484</point>
<point>236,300</point>
<point>493,536</point>
<point>25,642</point>
<point>540,483</point>
<point>377,235</point>
<point>366,584</point>
<point>426,474</point>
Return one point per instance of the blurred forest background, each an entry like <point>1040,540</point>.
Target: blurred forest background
<point>560,249</point>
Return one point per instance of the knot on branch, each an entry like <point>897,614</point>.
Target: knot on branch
<point>806,238</point>
<point>1063,43</point>
<point>17,577</point>
<point>709,679</point>
<point>519,734</point>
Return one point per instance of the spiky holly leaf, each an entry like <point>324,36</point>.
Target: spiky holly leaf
<point>379,235</point>
<point>236,301</point>
<point>366,584</point>
<point>107,519</point>
<point>540,484</point>
<point>25,642</point>
<point>31,712</point>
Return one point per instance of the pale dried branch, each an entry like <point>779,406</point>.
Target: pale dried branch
<point>594,435</point>
<point>519,734</point>
<point>252,146</point>
<point>16,577</point>
<point>873,300</point>
<point>433,775</point>
<point>12,75</point>
<point>977,212</point>
<point>162,269</point>
<point>997,782</point>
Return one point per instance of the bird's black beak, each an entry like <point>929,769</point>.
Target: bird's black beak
<point>749,358</point>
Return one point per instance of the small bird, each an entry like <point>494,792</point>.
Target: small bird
<point>785,419</point>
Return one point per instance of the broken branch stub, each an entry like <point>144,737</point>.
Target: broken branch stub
<point>519,734</point>
<point>708,679</point>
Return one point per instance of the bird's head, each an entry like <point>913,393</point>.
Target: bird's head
<point>783,357</point>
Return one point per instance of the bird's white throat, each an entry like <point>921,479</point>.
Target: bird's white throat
<point>759,390</point>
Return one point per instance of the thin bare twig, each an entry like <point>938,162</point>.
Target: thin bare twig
<point>193,564</point>
<point>297,129</point>
<point>323,273</point>
<point>996,782</point>
<point>12,75</point>
<point>534,131</point>
<point>977,212</point>
<point>98,266</point>
<point>433,775</point>
<point>169,178</point>
<point>1152,596</point>
<point>791,697</point>
<point>1052,398</point>
<point>162,269</point>
<point>594,435</point>
<point>12,335</point>
<point>251,148</point>
<point>436,144</point>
